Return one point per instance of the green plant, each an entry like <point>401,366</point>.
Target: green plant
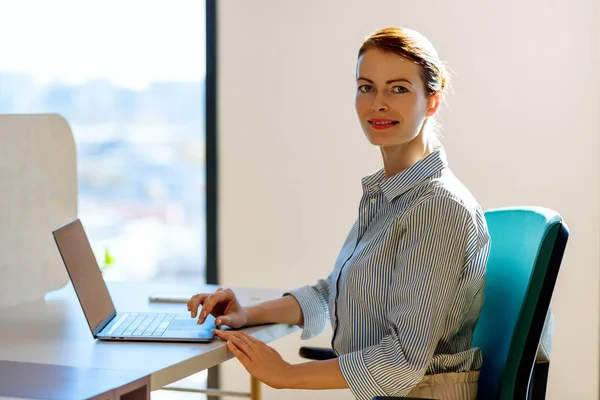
<point>107,261</point>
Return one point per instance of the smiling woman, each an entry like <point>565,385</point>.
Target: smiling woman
<point>407,288</point>
<point>401,81</point>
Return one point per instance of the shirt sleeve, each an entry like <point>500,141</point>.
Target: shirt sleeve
<point>429,262</point>
<point>314,303</point>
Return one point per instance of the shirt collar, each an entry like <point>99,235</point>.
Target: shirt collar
<point>407,179</point>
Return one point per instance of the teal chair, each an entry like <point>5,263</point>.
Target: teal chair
<point>528,244</point>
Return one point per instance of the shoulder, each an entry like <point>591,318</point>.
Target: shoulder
<point>445,198</point>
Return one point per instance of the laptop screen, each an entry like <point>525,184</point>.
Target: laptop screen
<point>84,272</point>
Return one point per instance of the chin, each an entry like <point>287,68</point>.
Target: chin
<point>388,137</point>
<point>380,141</point>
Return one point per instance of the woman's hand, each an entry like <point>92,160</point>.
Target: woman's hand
<point>222,304</point>
<point>261,361</point>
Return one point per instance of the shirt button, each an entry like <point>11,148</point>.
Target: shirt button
<point>373,201</point>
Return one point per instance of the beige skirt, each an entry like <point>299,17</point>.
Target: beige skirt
<point>447,386</point>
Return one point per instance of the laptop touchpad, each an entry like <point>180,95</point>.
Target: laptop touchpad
<point>184,324</point>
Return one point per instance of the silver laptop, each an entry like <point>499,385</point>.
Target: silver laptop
<point>102,317</point>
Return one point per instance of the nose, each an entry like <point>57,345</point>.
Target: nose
<point>379,104</point>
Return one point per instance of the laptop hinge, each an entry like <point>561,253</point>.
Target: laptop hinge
<point>103,324</point>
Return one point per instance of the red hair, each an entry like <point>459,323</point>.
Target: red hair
<point>415,47</point>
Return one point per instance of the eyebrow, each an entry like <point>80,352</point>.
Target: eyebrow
<point>388,82</point>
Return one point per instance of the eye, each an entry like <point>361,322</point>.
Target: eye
<point>365,88</point>
<point>399,89</point>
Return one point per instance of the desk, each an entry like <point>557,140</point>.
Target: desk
<point>57,382</point>
<point>54,331</point>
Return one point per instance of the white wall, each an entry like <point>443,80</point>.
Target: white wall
<point>522,128</point>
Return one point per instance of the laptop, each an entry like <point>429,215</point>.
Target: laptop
<point>102,317</point>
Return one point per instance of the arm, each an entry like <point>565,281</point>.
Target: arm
<point>314,305</point>
<point>308,303</point>
<point>267,365</point>
<point>285,310</point>
<point>291,309</point>
<point>317,375</point>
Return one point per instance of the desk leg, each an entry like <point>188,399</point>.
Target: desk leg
<point>213,381</point>
<point>255,389</point>
<point>137,390</point>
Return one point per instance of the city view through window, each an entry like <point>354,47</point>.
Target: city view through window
<point>129,77</point>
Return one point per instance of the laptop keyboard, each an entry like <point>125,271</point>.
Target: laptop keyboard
<point>142,325</point>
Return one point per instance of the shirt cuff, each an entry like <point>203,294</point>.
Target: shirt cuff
<point>314,310</point>
<point>357,376</point>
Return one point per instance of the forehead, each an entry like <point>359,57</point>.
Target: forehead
<point>380,66</point>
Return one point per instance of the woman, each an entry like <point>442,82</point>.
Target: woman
<point>407,289</point>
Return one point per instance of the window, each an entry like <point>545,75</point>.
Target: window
<point>129,77</point>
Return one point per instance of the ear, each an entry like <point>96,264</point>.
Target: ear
<point>433,104</point>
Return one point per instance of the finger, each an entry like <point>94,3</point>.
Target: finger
<point>209,303</point>
<point>207,306</point>
<point>241,345</point>
<point>241,337</point>
<point>243,358</point>
<point>221,334</point>
<point>229,335</point>
<point>223,320</point>
<point>195,301</point>
<point>190,302</point>
<point>249,338</point>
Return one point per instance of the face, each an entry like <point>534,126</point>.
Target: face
<point>391,101</point>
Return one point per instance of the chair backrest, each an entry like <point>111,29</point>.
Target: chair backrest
<point>526,251</point>
<point>38,192</point>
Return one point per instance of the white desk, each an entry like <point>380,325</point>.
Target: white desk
<point>54,331</point>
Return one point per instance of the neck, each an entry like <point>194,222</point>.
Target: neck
<point>398,158</point>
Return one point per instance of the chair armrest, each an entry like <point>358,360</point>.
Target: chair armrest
<point>317,353</point>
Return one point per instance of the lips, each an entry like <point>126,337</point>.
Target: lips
<point>381,124</point>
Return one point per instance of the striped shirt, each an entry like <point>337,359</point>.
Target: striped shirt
<point>408,285</point>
